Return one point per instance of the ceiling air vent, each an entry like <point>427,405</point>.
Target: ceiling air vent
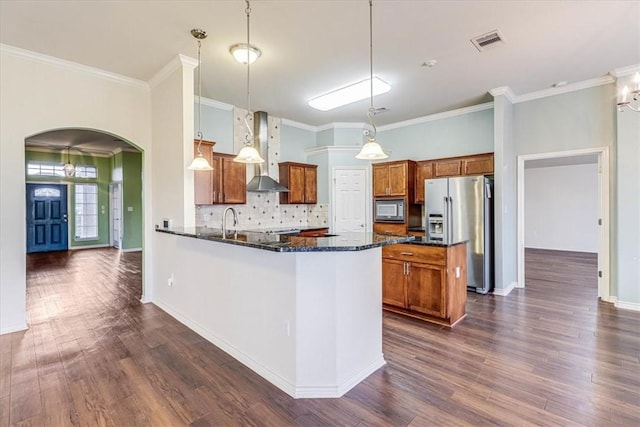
<point>486,40</point>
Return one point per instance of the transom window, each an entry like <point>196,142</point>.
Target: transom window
<point>57,169</point>
<point>86,208</point>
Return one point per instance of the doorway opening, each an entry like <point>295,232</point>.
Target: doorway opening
<point>98,172</point>
<point>581,226</point>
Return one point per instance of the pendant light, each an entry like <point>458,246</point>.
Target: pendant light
<point>371,150</point>
<point>248,153</point>
<point>199,162</point>
<point>69,169</point>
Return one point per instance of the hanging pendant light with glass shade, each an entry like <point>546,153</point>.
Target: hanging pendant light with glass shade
<point>69,169</point>
<point>199,163</point>
<point>371,150</point>
<point>248,153</point>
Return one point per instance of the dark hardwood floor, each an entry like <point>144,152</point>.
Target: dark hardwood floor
<point>550,354</point>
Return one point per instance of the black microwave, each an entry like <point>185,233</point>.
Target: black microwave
<point>389,210</point>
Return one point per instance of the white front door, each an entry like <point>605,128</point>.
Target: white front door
<point>351,202</point>
<point>116,216</point>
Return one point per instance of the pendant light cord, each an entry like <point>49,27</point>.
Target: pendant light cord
<point>249,135</point>
<point>371,112</point>
<point>199,100</point>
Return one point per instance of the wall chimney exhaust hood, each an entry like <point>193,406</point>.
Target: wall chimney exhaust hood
<point>262,182</point>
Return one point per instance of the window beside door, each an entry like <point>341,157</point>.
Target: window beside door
<point>86,211</point>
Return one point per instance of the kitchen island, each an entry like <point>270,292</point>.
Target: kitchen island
<point>304,313</point>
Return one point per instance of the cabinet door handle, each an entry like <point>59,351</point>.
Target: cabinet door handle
<point>404,268</point>
<point>406,253</point>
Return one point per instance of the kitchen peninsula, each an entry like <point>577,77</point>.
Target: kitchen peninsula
<point>303,312</point>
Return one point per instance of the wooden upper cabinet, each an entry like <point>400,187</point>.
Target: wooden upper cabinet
<point>202,180</point>
<point>424,170</point>
<point>478,165</point>
<point>302,181</point>
<point>380,180</point>
<point>394,179</point>
<point>447,167</point>
<point>225,184</point>
<point>233,180</point>
<point>311,185</point>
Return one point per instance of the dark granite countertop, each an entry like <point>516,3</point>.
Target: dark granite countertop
<point>285,243</point>
<point>426,242</point>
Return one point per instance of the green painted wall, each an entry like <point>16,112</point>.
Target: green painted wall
<point>103,164</point>
<point>131,200</point>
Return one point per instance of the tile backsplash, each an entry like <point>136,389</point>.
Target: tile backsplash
<point>263,210</point>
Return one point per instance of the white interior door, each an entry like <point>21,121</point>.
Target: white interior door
<point>116,216</point>
<point>351,201</point>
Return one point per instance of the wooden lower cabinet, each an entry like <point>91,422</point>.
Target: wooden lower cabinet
<point>320,232</point>
<point>398,229</point>
<point>421,281</point>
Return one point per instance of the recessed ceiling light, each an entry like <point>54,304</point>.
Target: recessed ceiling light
<point>349,94</point>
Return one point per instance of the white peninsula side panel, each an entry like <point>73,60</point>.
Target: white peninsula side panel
<point>308,322</point>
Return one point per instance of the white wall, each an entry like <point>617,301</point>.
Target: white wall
<point>561,208</point>
<point>38,94</point>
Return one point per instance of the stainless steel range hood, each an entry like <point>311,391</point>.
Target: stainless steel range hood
<point>262,182</point>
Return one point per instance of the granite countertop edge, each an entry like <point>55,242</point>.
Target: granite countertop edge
<point>283,247</point>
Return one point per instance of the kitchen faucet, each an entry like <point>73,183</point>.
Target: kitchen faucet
<point>224,222</point>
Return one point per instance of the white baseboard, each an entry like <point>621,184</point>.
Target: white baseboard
<point>297,392</point>
<point>246,360</point>
<point>76,248</point>
<point>503,292</point>
<point>335,391</point>
<point>131,250</point>
<point>14,328</point>
<point>626,305</point>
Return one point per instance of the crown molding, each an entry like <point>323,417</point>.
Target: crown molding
<point>572,87</point>
<point>332,149</point>
<point>72,66</point>
<point>73,152</point>
<point>625,71</point>
<point>506,91</point>
<point>438,116</point>
<point>176,63</point>
<point>299,125</point>
<point>342,125</point>
<point>215,104</point>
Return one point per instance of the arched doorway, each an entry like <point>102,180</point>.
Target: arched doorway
<point>103,192</point>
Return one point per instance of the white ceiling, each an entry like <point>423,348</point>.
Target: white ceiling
<point>310,47</point>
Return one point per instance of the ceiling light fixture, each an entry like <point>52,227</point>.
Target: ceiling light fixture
<point>371,150</point>
<point>248,153</point>
<point>634,96</point>
<point>69,169</point>
<point>199,163</point>
<point>349,94</point>
<point>245,53</point>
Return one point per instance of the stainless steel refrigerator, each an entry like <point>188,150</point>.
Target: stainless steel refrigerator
<point>459,209</point>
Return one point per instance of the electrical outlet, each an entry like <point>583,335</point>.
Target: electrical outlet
<point>457,272</point>
<point>170,280</point>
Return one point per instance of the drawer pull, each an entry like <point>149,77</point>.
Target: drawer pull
<point>406,253</point>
